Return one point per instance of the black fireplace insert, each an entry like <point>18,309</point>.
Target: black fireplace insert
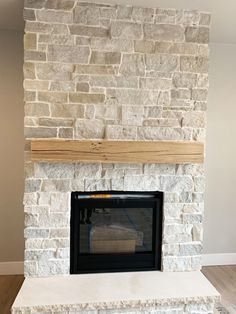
<point>115,231</point>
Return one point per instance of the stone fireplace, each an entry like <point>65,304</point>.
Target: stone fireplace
<point>112,72</point>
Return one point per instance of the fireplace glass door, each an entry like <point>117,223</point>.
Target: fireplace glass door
<point>115,231</point>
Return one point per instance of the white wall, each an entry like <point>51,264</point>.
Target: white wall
<point>11,146</point>
<point>220,205</point>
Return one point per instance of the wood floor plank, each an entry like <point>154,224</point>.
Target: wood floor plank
<point>224,280</point>
<point>9,287</point>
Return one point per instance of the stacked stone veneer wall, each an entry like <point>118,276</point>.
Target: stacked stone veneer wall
<point>96,71</point>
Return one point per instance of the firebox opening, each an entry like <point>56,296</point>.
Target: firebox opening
<point>115,231</point>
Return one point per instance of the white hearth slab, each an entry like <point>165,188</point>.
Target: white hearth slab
<point>114,290</point>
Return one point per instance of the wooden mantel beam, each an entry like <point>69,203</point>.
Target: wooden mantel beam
<point>103,151</point>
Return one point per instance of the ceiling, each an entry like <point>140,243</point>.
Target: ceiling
<point>223,28</point>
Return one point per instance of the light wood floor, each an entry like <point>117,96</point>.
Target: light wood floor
<point>222,277</point>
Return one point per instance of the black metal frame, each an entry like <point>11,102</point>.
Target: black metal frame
<point>115,262</point>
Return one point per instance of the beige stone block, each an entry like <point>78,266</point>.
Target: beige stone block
<point>141,183</point>
<point>35,4</point>
<point>82,41</point>
<point>29,170</point>
<point>54,71</point>
<point>61,185</point>
<point>124,12</point>
<point>111,44</point>
<point>29,70</point>
<point>96,69</point>
<point>132,115</point>
<point>203,81</point>
<point>176,48</point>
<point>194,119</point>
<point>60,4</point>
<point>199,184</point>
<point>162,123</point>
<point>190,249</point>
<point>163,47</point>
<point>53,97</point>
<point>54,122</point>
<point>108,12</point>
<point>89,111</point>
<point>162,63</point>
<point>127,30</point>
<point>30,199</point>
<point>199,134</point>
<point>40,132</point>
<point>29,15</point>
<point>82,87</point>
<point>176,184</point>
<point>89,31</point>
<point>98,57</point>
<point>155,83</point>
<point>54,170</point>
<point>60,29</point>
<point>86,98</point>
<point>144,46</point>
<point>153,111</point>
<point>205,19</point>
<point>63,86</point>
<point>181,93</point>
<point>132,96</point>
<point>199,94</point>
<point>86,170</point>
<point>188,17</point>
<point>105,22</point>
<point>32,185</point>
<point>30,55</point>
<point>164,32</point>
<point>37,109</point>
<point>194,64</point>
<point>86,14</point>
<point>36,85</point>
<point>119,132</point>
<point>97,185</point>
<point>164,19</point>
<point>163,98</point>
<point>164,133</point>
<point>113,81</point>
<point>55,16</point>
<point>30,41</point>
<point>107,112</point>
<point>89,129</point>
<point>184,80</point>
<point>68,54</point>
<point>142,15</point>
<point>67,110</point>
<point>56,39</point>
<point>66,133</point>
<point>132,65</point>
<point>200,106</point>
<point>60,233</point>
<point>36,233</point>
<point>164,11</point>
<point>29,96</point>
<point>37,27</point>
<point>197,35</point>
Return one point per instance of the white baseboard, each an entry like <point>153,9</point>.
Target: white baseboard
<point>11,268</point>
<point>219,259</point>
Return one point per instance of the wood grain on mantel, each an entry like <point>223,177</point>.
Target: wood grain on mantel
<point>117,151</point>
